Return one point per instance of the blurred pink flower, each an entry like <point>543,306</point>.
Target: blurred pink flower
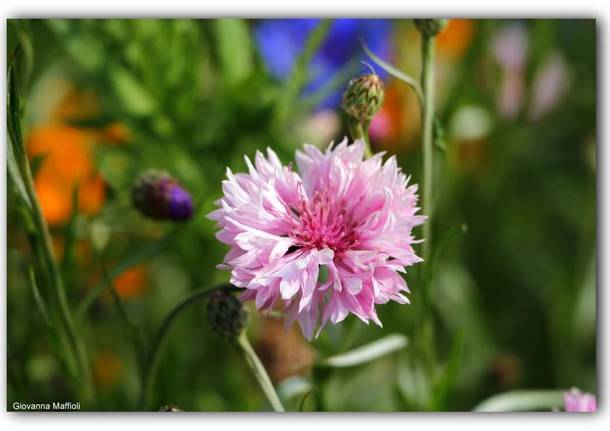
<point>509,47</point>
<point>550,85</point>
<point>327,242</point>
<point>576,401</point>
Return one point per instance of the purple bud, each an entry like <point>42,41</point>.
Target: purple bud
<point>159,196</point>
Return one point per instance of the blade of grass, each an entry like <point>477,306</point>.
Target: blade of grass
<point>234,49</point>
<point>396,73</point>
<point>519,401</point>
<point>135,332</point>
<point>302,403</point>
<point>447,379</point>
<point>298,75</point>
<point>68,262</point>
<point>38,299</point>
<point>368,352</point>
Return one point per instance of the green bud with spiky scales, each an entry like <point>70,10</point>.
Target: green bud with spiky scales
<point>431,27</point>
<point>363,98</point>
<point>226,314</point>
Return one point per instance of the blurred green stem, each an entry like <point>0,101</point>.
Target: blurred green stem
<point>47,255</point>
<point>320,375</point>
<point>427,78</point>
<point>259,371</point>
<point>154,354</point>
<point>299,74</point>
<point>427,322</point>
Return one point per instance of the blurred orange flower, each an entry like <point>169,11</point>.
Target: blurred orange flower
<point>107,369</point>
<point>67,161</point>
<point>397,125</point>
<point>131,283</point>
<point>76,104</point>
<point>115,133</point>
<point>456,38</point>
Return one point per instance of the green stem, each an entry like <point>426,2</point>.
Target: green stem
<point>427,323</point>
<point>319,376</point>
<point>47,254</point>
<point>259,372</point>
<point>364,134</point>
<point>359,131</point>
<point>427,78</point>
<point>152,362</point>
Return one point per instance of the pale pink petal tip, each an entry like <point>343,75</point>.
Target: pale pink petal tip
<point>577,401</point>
<point>324,242</point>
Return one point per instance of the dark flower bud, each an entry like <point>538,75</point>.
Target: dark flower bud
<point>170,408</point>
<point>159,196</point>
<point>363,98</point>
<point>431,27</point>
<point>226,314</point>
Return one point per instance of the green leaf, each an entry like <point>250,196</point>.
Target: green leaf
<point>16,150</point>
<point>68,264</point>
<point>447,380</point>
<point>519,401</point>
<point>293,386</point>
<point>234,49</point>
<point>84,48</point>
<point>368,352</point>
<point>133,96</point>
<point>396,73</point>
<point>15,176</point>
<point>38,299</point>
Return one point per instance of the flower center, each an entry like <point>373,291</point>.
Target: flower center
<point>320,223</point>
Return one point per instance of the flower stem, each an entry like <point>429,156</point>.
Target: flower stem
<point>359,131</point>
<point>427,78</point>
<point>259,372</point>
<point>45,246</point>
<point>427,317</point>
<point>154,354</point>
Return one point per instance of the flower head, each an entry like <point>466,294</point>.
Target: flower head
<point>159,196</point>
<point>430,26</point>
<point>363,98</point>
<point>328,241</point>
<point>226,314</point>
<point>576,401</point>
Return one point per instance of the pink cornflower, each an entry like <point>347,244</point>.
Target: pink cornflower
<point>327,242</point>
<point>576,401</point>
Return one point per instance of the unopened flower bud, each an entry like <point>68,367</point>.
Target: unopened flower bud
<point>226,314</point>
<point>170,408</point>
<point>363,98</point>
<point>431,27</point>
<point>159,196</point>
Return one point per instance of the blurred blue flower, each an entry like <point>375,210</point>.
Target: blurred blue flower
<point>281,41</point>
